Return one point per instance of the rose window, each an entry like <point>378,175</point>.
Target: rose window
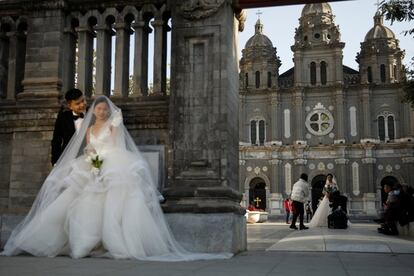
<point>319,122</point>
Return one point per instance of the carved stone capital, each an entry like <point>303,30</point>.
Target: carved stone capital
<point>199,9</point>
<point>300,161</point>
<point>241,17</point>
<point>369,160</point>
<point>341,161</point>
<point>275,162</point>
<point>408,160</point>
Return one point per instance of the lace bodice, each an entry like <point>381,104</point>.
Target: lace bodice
<point>102,142</point>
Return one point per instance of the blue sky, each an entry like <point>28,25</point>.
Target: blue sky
<point>355,19</point>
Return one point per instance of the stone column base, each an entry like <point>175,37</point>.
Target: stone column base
<point>212,233</point>
<point>276,204</point>
<point>369,200</point>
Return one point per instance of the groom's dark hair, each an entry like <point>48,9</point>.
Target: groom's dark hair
<point>304,176</point>
<point>73,94</point>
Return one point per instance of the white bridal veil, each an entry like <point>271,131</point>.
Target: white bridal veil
<point>70,171</point>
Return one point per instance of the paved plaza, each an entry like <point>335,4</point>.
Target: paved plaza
<point>274,249</point>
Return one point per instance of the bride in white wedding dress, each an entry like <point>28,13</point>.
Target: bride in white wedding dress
<point>100,200</point>
<point>320,218</point>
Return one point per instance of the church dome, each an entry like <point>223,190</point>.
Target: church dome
<point>259,39</point>
<point>379,30</point>
<point>316,9</point>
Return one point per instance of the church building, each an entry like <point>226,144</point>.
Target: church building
<point>323,117</point>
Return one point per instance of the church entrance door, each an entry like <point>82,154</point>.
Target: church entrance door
<point>257,193</point>
<point>386,180</point>
<point>318,182</point>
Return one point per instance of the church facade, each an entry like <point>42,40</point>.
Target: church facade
<point>323,117</point>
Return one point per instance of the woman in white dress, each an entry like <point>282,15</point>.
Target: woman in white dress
<point>100,199</point>
<point>320,218</point>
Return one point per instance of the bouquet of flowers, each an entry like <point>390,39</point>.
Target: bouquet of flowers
<point>93,159</point>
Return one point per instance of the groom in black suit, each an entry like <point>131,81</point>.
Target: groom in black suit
<point>68,122</point>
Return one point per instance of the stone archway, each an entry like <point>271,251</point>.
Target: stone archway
<point>318,182</point>
<point>257,193</point>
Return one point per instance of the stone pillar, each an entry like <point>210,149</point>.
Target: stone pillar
<point>299,78</point>
<point>299,123</point>
<point>160,56</point>
<point>44,53</point>
<point>141,58</point>
<point>405,130</point>
<point>340,120</point>
<point>276,196</point>
<point>123,33</point>
<point>366,112</point>
<point>4,55</point>
<point>85,60</point>
<point>69,60</point>
<point>103,59</point>
<point>17,53</point>
<point>275,119</point>
<point>11,74</point>
<point>369,196</point>
<point>203,202</point>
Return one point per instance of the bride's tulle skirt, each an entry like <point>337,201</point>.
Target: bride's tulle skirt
<point>320,218</point>
<point>114,214</point>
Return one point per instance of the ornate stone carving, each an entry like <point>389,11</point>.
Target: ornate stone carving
<point>407,160</point>
<point>198,9</point>
<point>341,161</point>
<point>300,161</point>
<point>241,17</point>
<point>46,5</point>
<point>369,160</point>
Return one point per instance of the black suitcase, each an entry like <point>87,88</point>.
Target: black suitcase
<point>338,220</point>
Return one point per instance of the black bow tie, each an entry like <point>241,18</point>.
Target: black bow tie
<point>75,117</point>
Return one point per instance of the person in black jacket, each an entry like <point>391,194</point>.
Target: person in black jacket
<point>68,122</point>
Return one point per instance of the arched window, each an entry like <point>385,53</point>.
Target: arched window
<point>257,79</point>
<point>323,72</point>
<point>382,71</point>
<point>369,74</point>
<point>386,126</point>
<point>313,73</point>
<point>253,132</point>
<point>269,79</point>
<point>391,131</point>
<point>246,80</point>
<point>381,128</point>
<point>261,132</point>
<point>257,132</point>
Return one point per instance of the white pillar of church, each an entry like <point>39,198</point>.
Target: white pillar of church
<point>123,33</point>
<point>85,60</point>
<point>140,76</point>
<point>103,59</point>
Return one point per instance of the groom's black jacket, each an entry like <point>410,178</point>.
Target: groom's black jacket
<point>64,130</point>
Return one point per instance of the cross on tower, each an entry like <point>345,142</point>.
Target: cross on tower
<point>258,13</point>
<point>257,200</point>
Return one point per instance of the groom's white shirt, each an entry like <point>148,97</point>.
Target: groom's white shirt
<point>78,122</point>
